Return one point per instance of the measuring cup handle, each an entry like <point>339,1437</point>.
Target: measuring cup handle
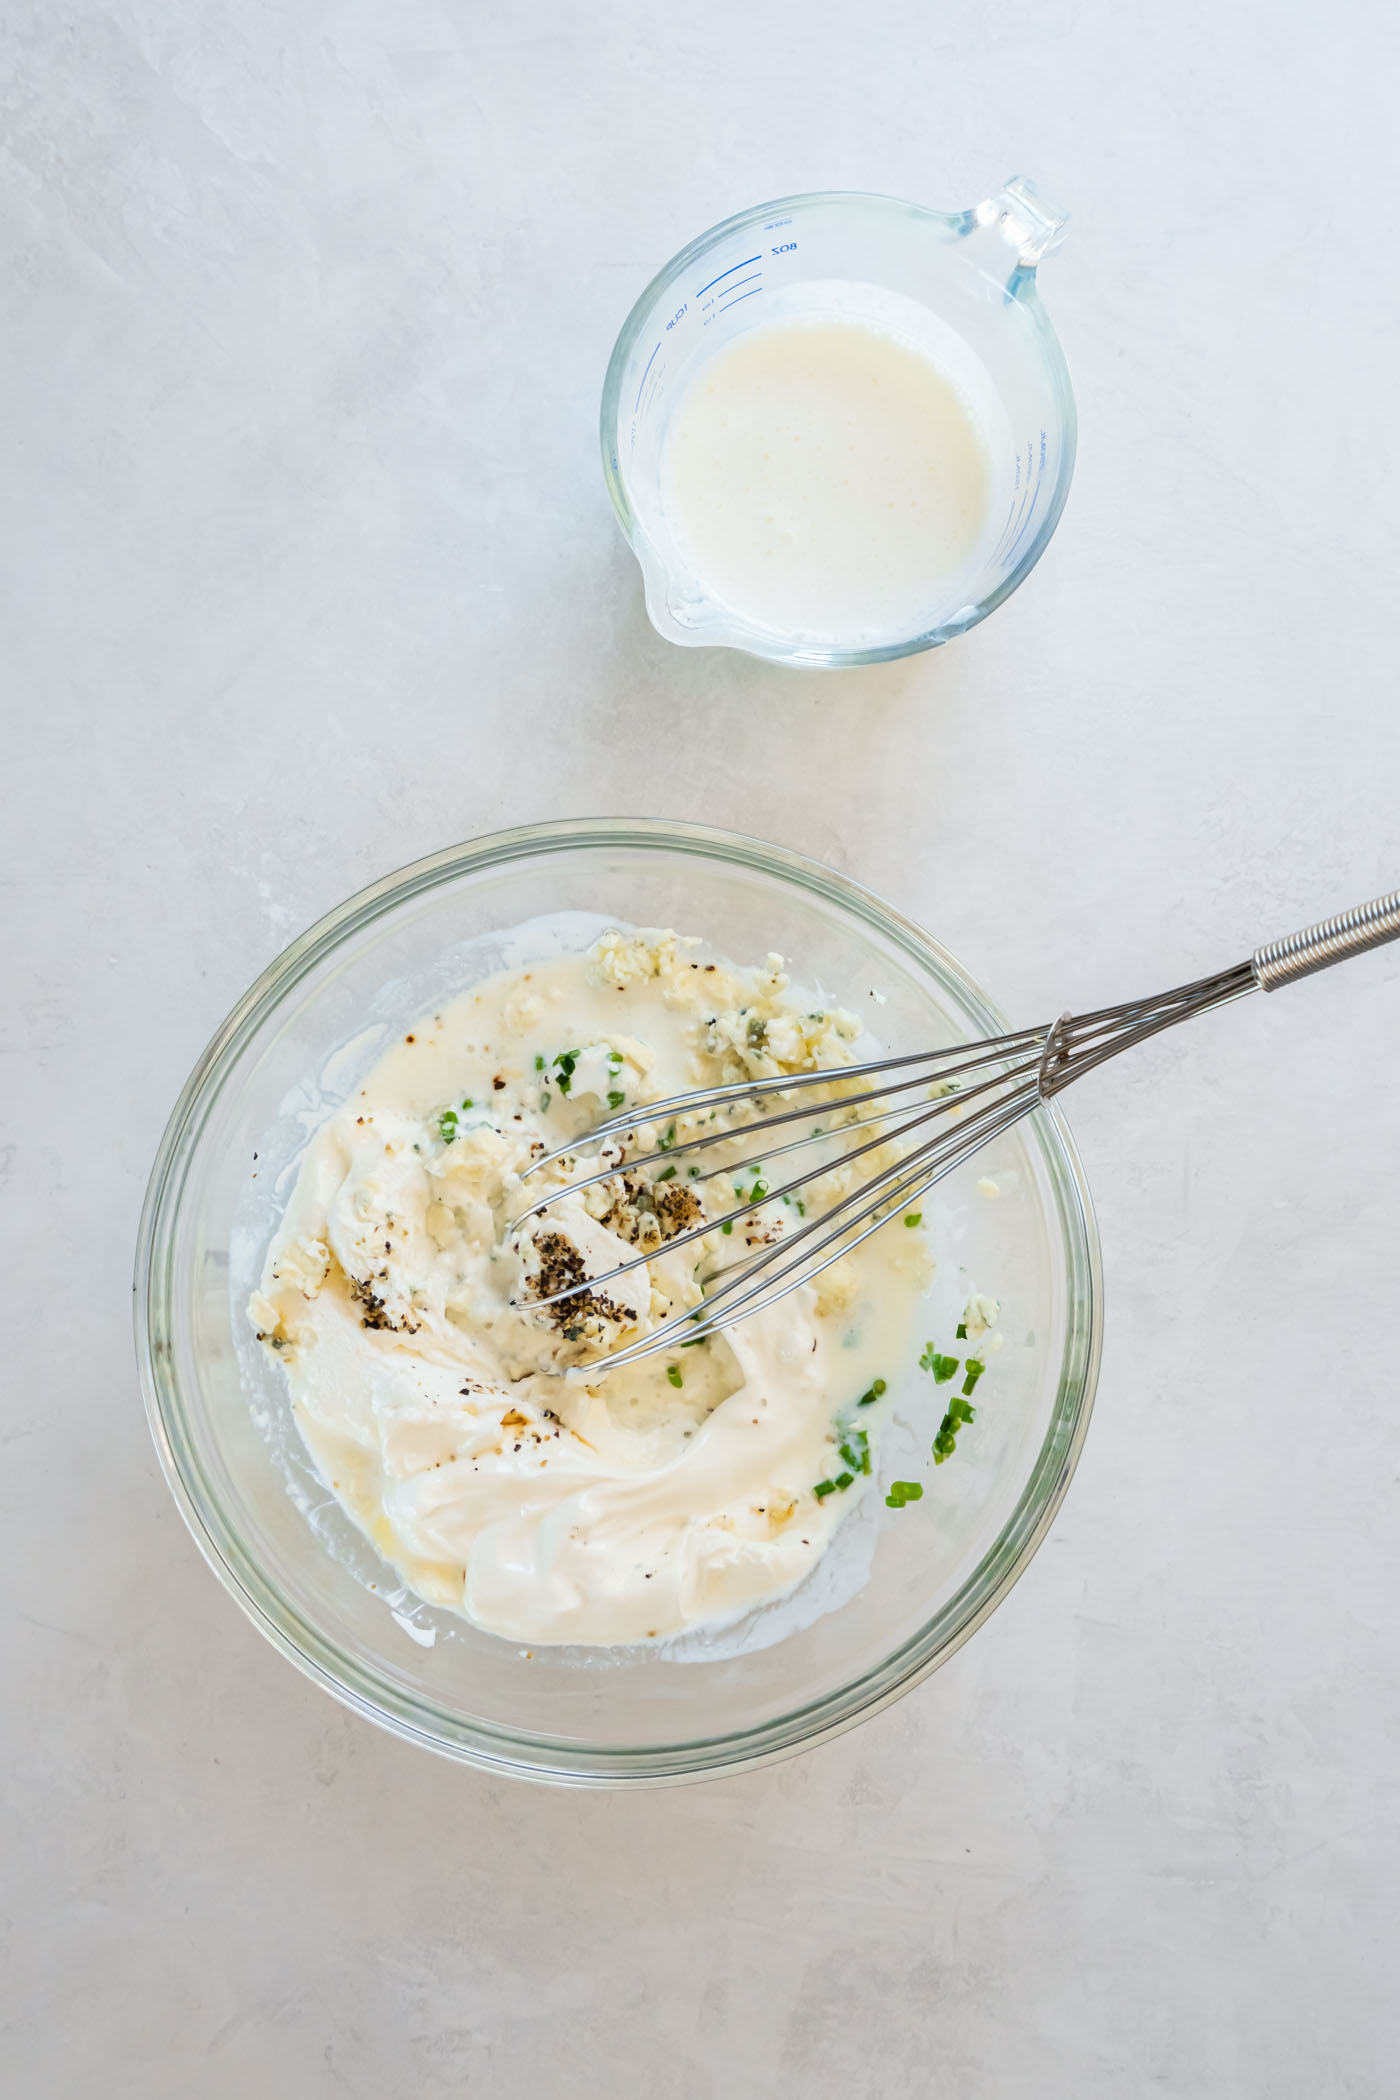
<point>1024,225</point>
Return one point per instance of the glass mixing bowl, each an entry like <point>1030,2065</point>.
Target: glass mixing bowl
<point>899,1590</point>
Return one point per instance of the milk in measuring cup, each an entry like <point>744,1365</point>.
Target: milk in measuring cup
<point>826,474</point>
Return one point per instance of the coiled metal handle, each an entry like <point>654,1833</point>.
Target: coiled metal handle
<point>1329,941</point>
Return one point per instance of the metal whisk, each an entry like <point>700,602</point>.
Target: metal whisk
<point>979,1090</point>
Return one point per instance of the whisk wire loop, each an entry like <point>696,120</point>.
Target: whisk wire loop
<point>982,1090</point>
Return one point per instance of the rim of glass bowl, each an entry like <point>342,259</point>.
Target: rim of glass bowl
<point>1021,286</point>
<point>524,1753</point>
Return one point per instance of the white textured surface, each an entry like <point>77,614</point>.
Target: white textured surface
<point>307,569</point>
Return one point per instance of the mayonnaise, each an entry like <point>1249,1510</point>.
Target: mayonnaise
<point>478,1438</point>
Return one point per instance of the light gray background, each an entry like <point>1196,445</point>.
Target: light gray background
<point>307,570</point>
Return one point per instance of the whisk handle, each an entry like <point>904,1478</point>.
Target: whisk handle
<point>1329,941</point>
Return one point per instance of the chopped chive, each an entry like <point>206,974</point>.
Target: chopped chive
<point>466,1105</point>
<point>697,1341</point>
<point>544,1100</point>
<point>447,1125</point>
<point>615,1100</point>
<point>855,1449</point>
<point>727,1226</point>
<point>667,1174</point>
<point>942,1367</point>
<point>868,1399</point>
<point>801,1208</point>
<point>958,1415</point>
<point>915,1217</point>
<point>974,1372</point>
<point>673,1372</point>
<point>824,1487</point>
<point>758,1192</point>
<point>539,1064</point>
<point>960,1333</point>
<point>843,1480</point>
<point>902,1491</point>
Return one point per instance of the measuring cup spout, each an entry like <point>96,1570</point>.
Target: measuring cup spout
<point>676,606</point>
<point>1016,227</point>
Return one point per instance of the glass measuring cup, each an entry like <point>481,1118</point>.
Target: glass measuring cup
<point>972,277</point>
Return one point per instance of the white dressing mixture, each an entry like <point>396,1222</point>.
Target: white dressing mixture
<point>472,1432</point>
<point>824,477</point>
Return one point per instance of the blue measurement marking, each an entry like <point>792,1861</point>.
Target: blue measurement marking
<point>730,289</point>
<point>727,273</point>
<point>1008,538</point>
<point>1021,535</point>
<point>1012,525</point>
<point>1019,529</point>
<point>650,362</point>
<point>739,301</point>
